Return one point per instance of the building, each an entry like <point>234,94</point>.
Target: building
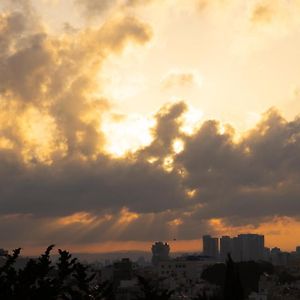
<point>267,253</point>
<point>160,252</point>
<point>236,254</point>
<point>244,247</point>
<point>279,258</point>
<point>122,270</point>
<point>183,276</point>
<point>210,246</point>
<point>225,247</point>
<point>189,266</point>
<point>252,246</point>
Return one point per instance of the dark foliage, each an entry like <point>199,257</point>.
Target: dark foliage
<point>68,279</point>
<point>9,276</point>
<point>215,274</point>
<point>286,278</point>
<point>41,279</point>
<point>233,289</point>
<point>205,296</point>
<point>150,290</point>
<point>249,274</point>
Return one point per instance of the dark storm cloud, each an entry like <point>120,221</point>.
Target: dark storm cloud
<point>248,180</point>
<point>166,131</point>
<point>242,182</point>
<point>70,186</point>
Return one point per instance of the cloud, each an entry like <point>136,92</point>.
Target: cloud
<point>262,13</point>
<point>278,15</point>
<point>117,33</point>
<point>165,132</point>
<point>249,180</point>
<point>96,8</point>
<point>245,182</point>
<point>180,79</point>
<point>55,75</point>
<point>56,182</point>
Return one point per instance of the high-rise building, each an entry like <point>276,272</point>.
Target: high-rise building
<point>267,252</point>
<point>252,246</point>
<point>160,252</point>
<point>210,246</point>
<point>279,258</point>
<point>244,247</point>
<point>237,251</point>
<point>225,247</point>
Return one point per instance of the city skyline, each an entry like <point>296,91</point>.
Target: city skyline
<point>130,121</point>
<point>175,247</point>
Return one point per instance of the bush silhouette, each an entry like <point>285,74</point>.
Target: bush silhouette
<point>150,290</point>
<point>41,279</point>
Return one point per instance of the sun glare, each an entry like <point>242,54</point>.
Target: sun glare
<point>191,121</point>
<point>127,135</point>
<point>178,146</point>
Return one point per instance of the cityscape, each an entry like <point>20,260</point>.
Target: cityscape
<point>261,273</point>
<point>246,247</point>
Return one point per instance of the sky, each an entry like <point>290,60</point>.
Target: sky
<point>125,122</point>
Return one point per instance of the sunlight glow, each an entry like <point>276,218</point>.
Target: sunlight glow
<point>215,222</point>
<point>191,193</point>
<point>175,222</point>
<point>222,129</point>
<point>168,163</point>
<point>38,132</point>
<point>127,135</point>
<point>80,217</point>
<point>191,121</point>
<point>178,146</point>
<point>152,159</point>
<point>127,216</point>
<point>5,143</point>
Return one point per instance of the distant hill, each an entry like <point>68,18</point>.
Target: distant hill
<point>133,255</point>
<point>92,257</point>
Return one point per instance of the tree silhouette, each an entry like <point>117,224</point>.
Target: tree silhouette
<point>232,289</point>
<point>68,279</point>
<point>150,290</point>
<point>40,279</point>
<point>249,274</point>
<point>204,296</point>
<point>9,276</point>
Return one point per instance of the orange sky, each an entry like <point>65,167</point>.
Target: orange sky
<point>280,233</point>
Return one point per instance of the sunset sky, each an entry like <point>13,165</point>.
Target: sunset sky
<point>124,122</point>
